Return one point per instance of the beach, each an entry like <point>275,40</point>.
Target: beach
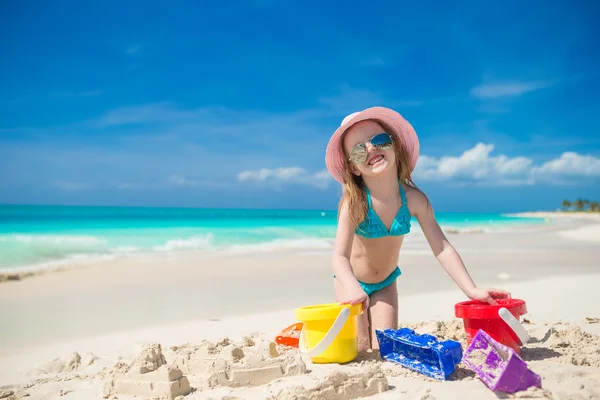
<point>185,186</point>
<point>79,331</point>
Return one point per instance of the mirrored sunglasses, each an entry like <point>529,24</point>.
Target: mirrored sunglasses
<point>359,153</point>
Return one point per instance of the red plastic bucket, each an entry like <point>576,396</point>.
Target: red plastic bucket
<point>477,315</point>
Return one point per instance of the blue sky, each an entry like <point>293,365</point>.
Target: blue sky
<point>196,104</point>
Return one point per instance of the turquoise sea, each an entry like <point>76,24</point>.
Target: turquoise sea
<point>38,236</point>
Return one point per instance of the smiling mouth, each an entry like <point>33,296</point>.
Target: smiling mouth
<point>375,159</point>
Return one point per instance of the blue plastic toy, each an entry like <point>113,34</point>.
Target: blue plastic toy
<point>421,353</point>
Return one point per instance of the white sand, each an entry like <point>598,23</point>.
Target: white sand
<point>560,374</point>
<point>589,233</point>
<point>591,216</point>
<point>84,333</point>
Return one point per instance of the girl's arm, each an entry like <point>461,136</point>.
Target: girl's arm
<point>341,260</point>
<point>446,254</point>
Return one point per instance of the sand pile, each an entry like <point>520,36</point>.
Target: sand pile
<point>56,371</point>
<point>567,358</point>
<point>147,375</point>
<point>372,358</point>
<point>560,344</point>
<point>68,363</point>
<point>250,362</point>
<point>443,330</point>
<point>6,394</point>
<point>253,361</point>
<point>563,344</point>
<point>339,385</point>
<point>567,344</point>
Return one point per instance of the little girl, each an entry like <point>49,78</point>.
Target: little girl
<point>372,154</point>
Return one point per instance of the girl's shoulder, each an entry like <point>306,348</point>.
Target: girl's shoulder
<point>416,199</point>
<point>413,192</point>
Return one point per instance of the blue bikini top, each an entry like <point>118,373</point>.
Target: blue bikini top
<point>373,227</point>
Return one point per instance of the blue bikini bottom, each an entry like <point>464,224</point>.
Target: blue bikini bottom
<point>371,288</point>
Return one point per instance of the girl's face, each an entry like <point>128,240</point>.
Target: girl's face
<point>378,159</point>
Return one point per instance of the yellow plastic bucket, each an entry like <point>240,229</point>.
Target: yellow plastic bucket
<point>329,332</point>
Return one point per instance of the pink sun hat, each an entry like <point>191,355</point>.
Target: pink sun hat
<point>399,129</point>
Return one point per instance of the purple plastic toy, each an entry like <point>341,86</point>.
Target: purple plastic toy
<point>498,366</point>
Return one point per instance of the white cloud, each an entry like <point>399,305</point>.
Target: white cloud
<point>570,164</point>
<point>298,175</point>
<point>278,173</point>
<point>475,166</point>
<point>192,182</point>
<point>186,139</point>
<point>495,90</point>
<point>478,166</point>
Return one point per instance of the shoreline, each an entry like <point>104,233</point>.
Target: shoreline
<point>577,229</point>
<point>172,288</point>
<point>312,245</point>
<point>579,215</point>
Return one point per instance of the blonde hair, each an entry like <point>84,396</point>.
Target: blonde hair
<point>354,194</point>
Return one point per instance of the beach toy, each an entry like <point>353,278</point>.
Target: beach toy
<point>478,315</point>
<point>499,366</point>
<point>514,324</point>
<point>329,332</point>
<point>421,353</point>
<point>290,335</point>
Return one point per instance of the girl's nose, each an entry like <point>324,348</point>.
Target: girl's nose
<point>369,147</point>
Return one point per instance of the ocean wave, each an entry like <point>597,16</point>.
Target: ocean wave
<point>40,249</point>
<point>125,249</point>
<point>283,244</point>
<point>34,248</point>
<point>192,243</point>
<point>67,261</point>
<point>279,232</point>
<point>271,230</point>
<point>60,240</point>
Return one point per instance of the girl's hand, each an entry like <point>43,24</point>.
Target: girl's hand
<point>488,295</point>
<point>356,296</point>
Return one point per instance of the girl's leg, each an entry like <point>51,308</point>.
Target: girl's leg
<point>364,340</point>
<point>383,311</point>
